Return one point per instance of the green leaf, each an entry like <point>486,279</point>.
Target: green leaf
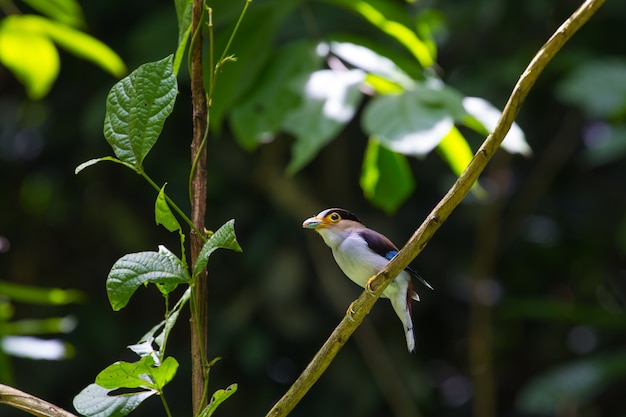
<point>136,109</point>
<point>68,12</point>
<point>218,398</point>
<point>135,269</point>
<point>576,383</point>
<point>456,151</point>
<point>413,123</point>
<point>258,118</point>
<point>95,401</point>
<point>223,238</point>
<point>141,374</point>
<point>386,177</point>
<point>162,213</point>
<point>330,100</point>
<point>40,295</point>
<point>483,112</point>
<point>183,15</point>
<point>597,86</point>
<point>27,51</point>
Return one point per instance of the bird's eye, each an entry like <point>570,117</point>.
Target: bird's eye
<point>334,217</point>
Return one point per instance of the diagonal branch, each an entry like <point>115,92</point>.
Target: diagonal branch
<point>439,214</point>
<point>30,404</point>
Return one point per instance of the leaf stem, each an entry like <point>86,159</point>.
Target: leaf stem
<point>164,402</point>
<point>172,204</point>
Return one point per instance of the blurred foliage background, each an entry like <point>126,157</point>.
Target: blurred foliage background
<point>530,282</point>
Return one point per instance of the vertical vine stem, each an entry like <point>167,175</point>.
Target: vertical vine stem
<point>438,215</point>
<point>198,321</point>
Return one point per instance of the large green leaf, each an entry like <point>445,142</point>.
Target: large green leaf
<point>136,109</point>
<point>413,123</point>
<point>96,401</point>
<point>224,238</point>
<point>135,269</point>
<point>386,177</point>
<point>258,118</point>
<point>330,100</point>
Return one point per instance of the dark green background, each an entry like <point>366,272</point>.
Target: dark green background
<point>555,290</point>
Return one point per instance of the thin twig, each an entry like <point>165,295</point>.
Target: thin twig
<point>440,213</point>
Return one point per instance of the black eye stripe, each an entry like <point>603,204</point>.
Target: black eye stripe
<point>343,214</point>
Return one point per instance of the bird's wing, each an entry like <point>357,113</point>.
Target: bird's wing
<point>381,245</point>
<point>410,270</point>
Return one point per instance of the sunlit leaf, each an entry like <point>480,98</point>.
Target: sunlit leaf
<point>330,100</point>
<point>95,401</point>
<point>136,109</point>
<point>35,348</point>
<point>456,151</point>
<point>141,374</point>
<point>27,51</point>
<point>135,269</point>
<point>68,12</point>
<point>162,213</point>
<point>223,238</point>
<point>405,36</point>
<point>487,115</point>
<point>371,62</point>
<point>386,177</point>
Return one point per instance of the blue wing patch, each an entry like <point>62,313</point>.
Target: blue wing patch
<point>389,255</point>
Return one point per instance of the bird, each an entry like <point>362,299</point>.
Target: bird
<point>361,253</point>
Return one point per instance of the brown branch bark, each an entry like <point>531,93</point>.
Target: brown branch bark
<point>438,215</point>
<point>30,404</point>
<point>198,208</point>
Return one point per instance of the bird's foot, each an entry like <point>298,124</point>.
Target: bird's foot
<point>368,286</point>
<point>350,311</point>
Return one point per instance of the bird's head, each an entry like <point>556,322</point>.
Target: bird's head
<point>333,224</point>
